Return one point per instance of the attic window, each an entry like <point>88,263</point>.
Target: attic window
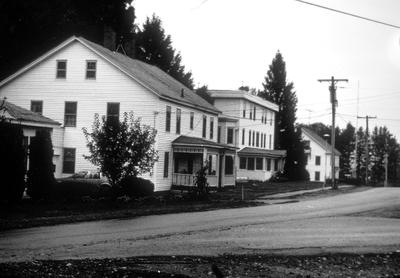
<point>91,69</point>
<point>61,69</point>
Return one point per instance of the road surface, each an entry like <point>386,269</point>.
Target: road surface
<point>306,227</point>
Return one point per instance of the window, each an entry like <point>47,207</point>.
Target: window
<point>254,137</point>
<point>276,165</point>
<point>268,164</point>
<point>191,120</point>
<point>37,106</point>
<point>244,110</point>
<point>70,113</point>
<point>243,135</point>
<point>204,126</point>
<point>254,114</point>
<point>212,164</point>
<point>211,128</point>
<point>266,117</point>
<point>317,176</point>
<point>242,162</point>
<point>91,69</point>
<point>178,121</point>
<point>249,137</point>
<point>113,111</point>
<point>258,139</point>
<point>317,160</point>
<point>251,113</point>
<point>228,165</point>
<point>259,163</point>
<point>229,138</point>
<point>219,135</point>
<point>270,141</point>
<point>166,164</point>
<point>69,161</point>
<point>61,69</point>
<point>168,119</point>
<point>250,163</point>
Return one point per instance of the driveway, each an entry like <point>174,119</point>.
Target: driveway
<point>307,227</point>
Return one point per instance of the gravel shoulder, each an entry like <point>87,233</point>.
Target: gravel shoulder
<point>327,265</point>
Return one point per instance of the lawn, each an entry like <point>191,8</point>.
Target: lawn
<point>31,214</point>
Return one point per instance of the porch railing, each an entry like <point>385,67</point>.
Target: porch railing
<point>188,179</point>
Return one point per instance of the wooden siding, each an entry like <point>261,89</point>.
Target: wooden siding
<point>92,95</point>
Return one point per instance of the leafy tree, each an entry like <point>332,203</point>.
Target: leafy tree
<point>153,46</point>
<point>278,90</point>
<point>383,142</point>
<point>40,174</point>
<point>12,162</point>
<point>121,148</point>
<point>203,92</point>
<point>345,144</point>
<point>360,154</point>
<point>201,183</point>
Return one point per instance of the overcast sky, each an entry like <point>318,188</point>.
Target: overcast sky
<point>228,43</point>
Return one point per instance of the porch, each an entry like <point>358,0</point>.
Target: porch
<point>189,154</point>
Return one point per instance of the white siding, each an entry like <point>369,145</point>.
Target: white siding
<point>110,85</point>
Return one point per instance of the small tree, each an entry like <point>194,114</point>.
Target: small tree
<point>201,183</point>
<point>41,170</point>
<point>12,162</point>
<point>121,148</point>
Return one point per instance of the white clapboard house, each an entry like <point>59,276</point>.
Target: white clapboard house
<point>319,156</point>
<point>78,78</point>
<point>248,122</point>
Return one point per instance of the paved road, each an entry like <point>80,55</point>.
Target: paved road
<point>313,226</point>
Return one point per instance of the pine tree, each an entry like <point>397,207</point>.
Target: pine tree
<point>153,46</point>
<point>287,136</point>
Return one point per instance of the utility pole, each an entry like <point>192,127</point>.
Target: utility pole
<point>334,102</point>
<point>366,146</point>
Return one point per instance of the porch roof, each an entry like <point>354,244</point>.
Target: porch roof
<point>261,152</point>
<point>199,142</point>
<point>16,113</point>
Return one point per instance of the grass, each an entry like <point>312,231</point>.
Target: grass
<point>31,214</point>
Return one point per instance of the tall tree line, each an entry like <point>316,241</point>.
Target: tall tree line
<point>29,28</point>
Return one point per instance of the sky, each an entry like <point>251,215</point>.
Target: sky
<point>229,43</point>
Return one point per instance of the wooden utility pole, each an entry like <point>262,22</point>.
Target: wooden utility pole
<point>332,90</point>
<point>366,145</point>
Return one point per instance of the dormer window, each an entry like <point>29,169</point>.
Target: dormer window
<point>91,69</point>
<point>61,69</point>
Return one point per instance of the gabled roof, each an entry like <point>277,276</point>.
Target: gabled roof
<point>150,77</point>
<point>247,151</point>
<point>319,140</point>
<point>199,142</point>
<point>16,113</point>
<point>239,94</point>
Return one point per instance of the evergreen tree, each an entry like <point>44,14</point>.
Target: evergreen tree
<point>12,162</point>
<point>41,170</point>
<point>287,137</point>
<point>153,46</point>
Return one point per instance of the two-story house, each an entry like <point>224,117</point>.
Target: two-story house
<point>248,122</point>
<point>319,156</point>
<point>77,79</point>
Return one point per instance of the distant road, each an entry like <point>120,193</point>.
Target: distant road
<point>314,226</point>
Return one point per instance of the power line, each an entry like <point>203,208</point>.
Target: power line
<point>349,14</point>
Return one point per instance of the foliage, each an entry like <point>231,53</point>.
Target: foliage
<point>121,148</point>
<point>12,162</point>
<point>277,90</point>
<point>32,27</point>
<point>201,183</point>
<point>137,187</point>
<point>75,189</point>
<point>153,46</point>
<point>383,142</point>
<point>203,92</point>
<point>40,174</point>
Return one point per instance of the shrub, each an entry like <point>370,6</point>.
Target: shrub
<point>74,189</point>
<point>137,187</point>
<point>12,162</point>
<point>40,174</point>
